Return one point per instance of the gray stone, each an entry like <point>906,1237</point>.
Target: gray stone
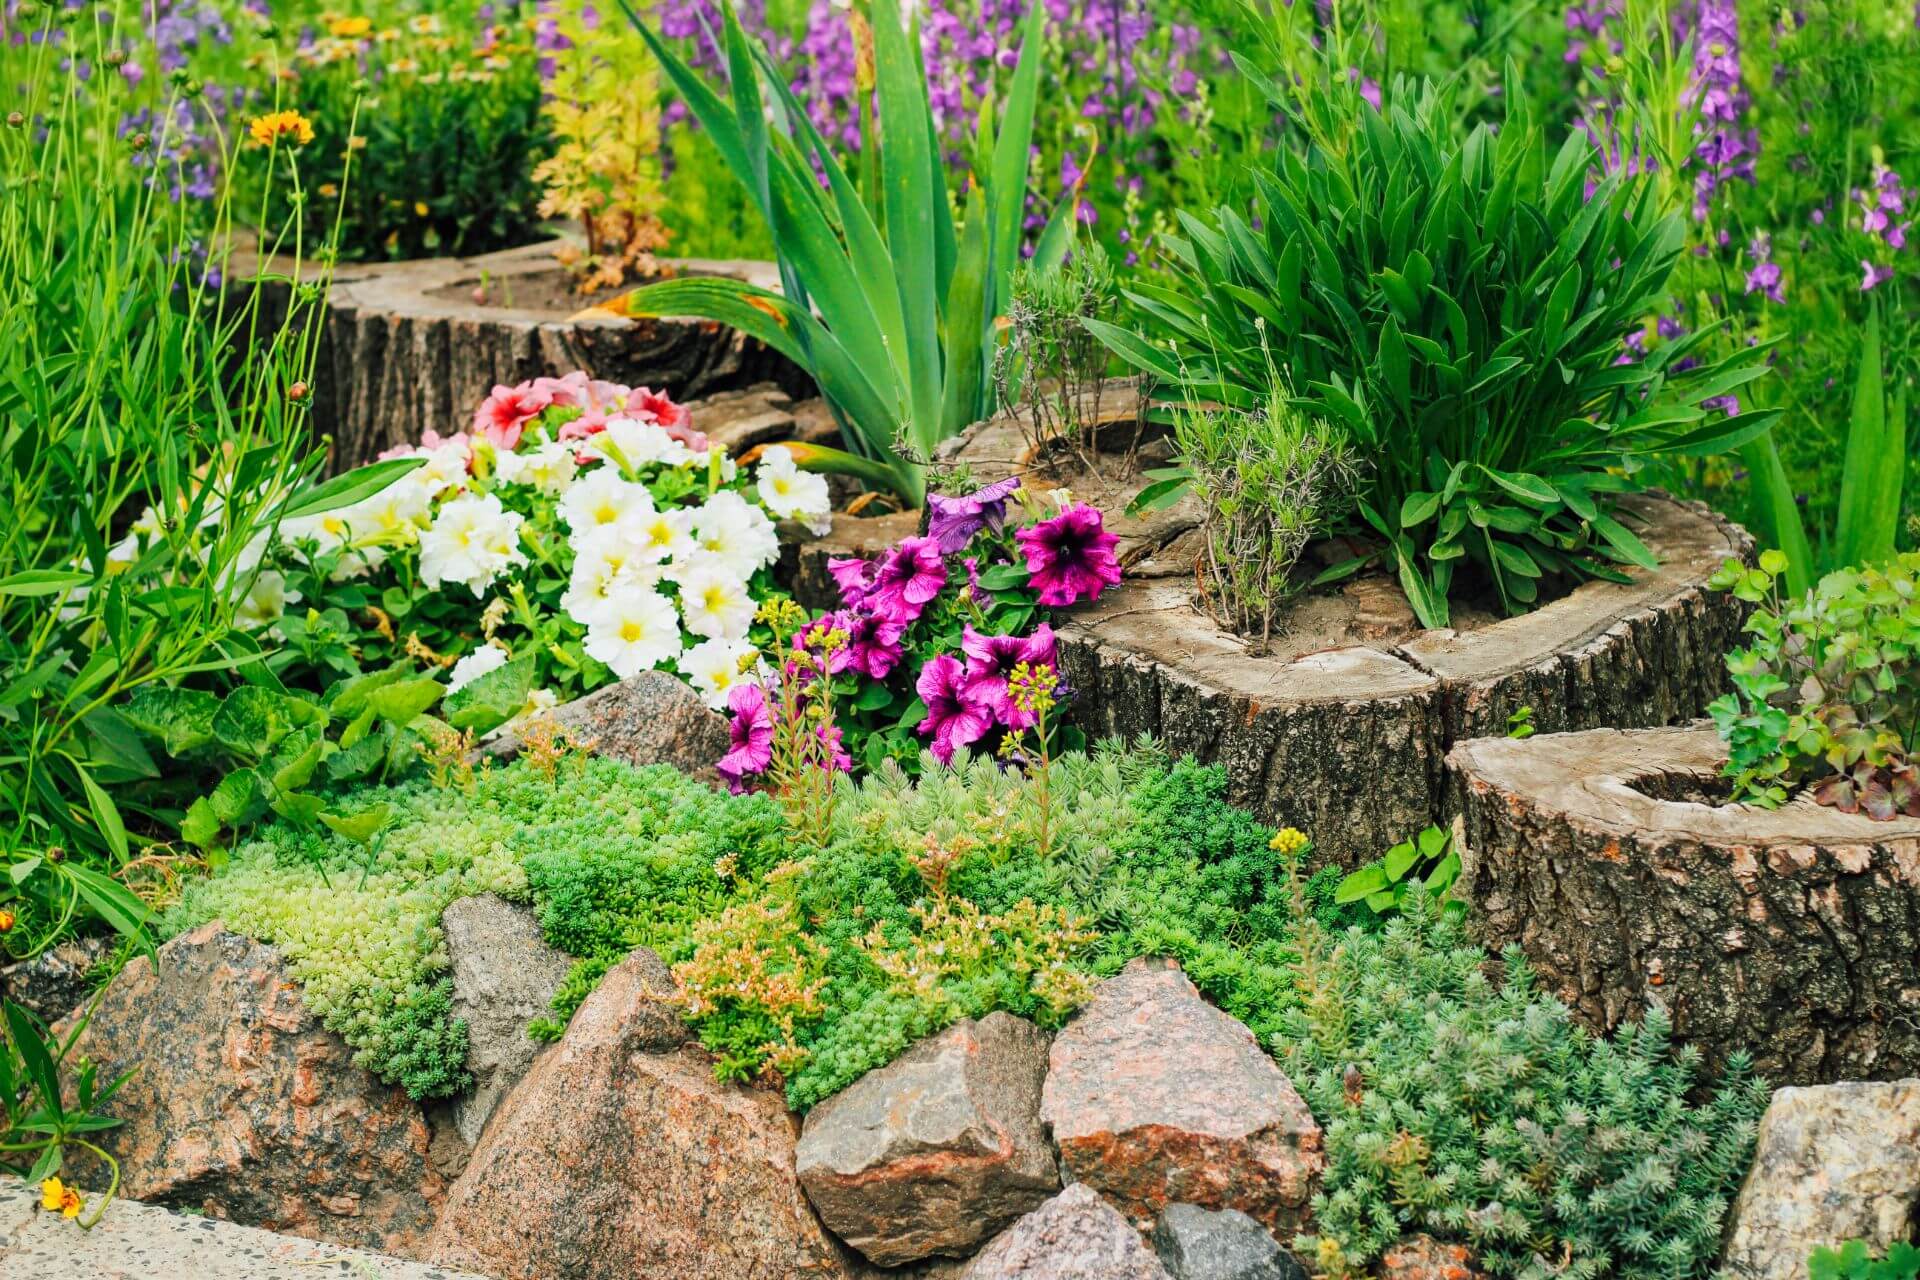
<point>504,976</point>
<point>939,1149</point>
<point>135,1241</point>
<point>1074,1236</point>
<point>650,718</point>
<point>53,983</point>
<point>1155,1097</point>
<point>1203,1244</point>
<point>1835,1162</point>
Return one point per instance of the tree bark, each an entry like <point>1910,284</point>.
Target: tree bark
<point>1792,935</point>
<point>404,348</point>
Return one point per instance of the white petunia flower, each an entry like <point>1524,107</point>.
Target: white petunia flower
<point>445,467</point>
<point>488,657</point>
<point>549,468</point>
<point>793,494</point>
<point>715,602</point>
<point>736,533</point>
<point>712,667</point>
<point>607,562</point>
<point>538,700</point>
<point>603,498</point>
<point>628,444</point>
<point>473,539</point>
<point>637,633</point>
<point>266,601</point>
<point>666,535</point>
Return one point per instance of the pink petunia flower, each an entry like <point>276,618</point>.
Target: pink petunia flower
<point>657,407</point>
<point>991,660</point>
<point>854,577</point>
<point>954,718</point>
<point>752,737</point>
<point>1070,556</point>
<point>907,578</point>
<point>873,643</point>
<point>503,415</point>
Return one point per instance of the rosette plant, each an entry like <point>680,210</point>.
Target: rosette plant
<point>886,299</point>
<point>1457,306</point>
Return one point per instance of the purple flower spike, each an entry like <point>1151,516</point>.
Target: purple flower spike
<point>752,735</point>
<point>1070,556</point>
<point>953,522</point>
<point>908,577</point>
<point>954,718</point>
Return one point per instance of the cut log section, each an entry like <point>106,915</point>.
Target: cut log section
<point>1340,723</point>
<point>407,348</point>
<point>1791,934</point>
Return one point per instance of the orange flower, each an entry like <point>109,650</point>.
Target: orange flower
<point>6,920</point>
<point>270,128</point>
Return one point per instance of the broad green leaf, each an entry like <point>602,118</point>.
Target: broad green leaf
<point>42,582</point>
<point>486,703</point>
<point>348,488</point>
<point>399,703</point>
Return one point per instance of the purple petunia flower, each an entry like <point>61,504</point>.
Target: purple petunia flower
<point>854,577</point>
<point>991,660</point>
<point>1070,556</point>
<point>952,522</point>
<point>908,577</point>
<point>873,643</point>
<point>752,737</point>
<point>954,717</point>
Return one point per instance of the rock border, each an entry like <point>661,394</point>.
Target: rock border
<point>1342,727</point>
<point>1792,934</point>
<point>395,360</point>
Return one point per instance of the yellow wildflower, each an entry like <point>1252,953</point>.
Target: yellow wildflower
<point>420,208</point>
<point>1288,840</point>
<point>350,28</point>
<point>275,125</point>
<point>57,1197</point>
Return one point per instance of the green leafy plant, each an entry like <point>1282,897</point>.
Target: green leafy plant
<point>1827,694</point>
<point>48,1104</point>
<point>1480,1112</point>
<point>423,143</point>
<point>1853,1261</point>
<point>886,300</point>
<point>1457,306</point>
<point>1428,864</point>
<point>1268,481</point>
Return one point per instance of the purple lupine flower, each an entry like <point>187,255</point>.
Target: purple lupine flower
<point>908,577</point>
<point>1764,276</point>
<point>751,734</point>
<point>1070,556</point>
<point>991,660</point>
<point>954,718</point>
<point>953,522</point>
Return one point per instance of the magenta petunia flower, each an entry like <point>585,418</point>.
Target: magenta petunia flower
<point>953,522</point>
<point>503,415</point>
<point>991,659</point>
<point>873,644</point>
<point>752,735</point>
<point>854,577</point>
<point>954,718</point>
<point>1070,556</point>
<point>907,578</point>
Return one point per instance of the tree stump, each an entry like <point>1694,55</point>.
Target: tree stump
<point>1792,934</point>
<point>1340,723</point>
<point>406,347</point>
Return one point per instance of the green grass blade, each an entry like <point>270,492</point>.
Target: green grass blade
<point>907,169</point>
<point>964,400</point>
<point>1864,532</point>
<point>1774,514</point>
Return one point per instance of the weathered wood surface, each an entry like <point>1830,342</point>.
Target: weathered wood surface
<point>405,349</point>
<point>1792,934</point>
<point>1341,723</point>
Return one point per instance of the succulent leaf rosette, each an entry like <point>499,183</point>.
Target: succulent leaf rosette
<point>577,531</point>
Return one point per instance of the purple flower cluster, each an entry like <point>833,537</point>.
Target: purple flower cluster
<point>1881,205</point>
<point>966,702</point>
<point>1725,151</point>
